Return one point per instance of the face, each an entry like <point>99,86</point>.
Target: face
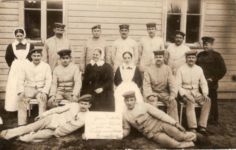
<point>59,31</point>
<point>19,36</point>
<point>124,33</point>
<point>207,46</point>
<point>65,60</point>
<point>84,106</point>
<point>151,31</point>
<point>130,102</point>
<point>179,39</point>
<point>159,59</point>
<point>96,56</point>
<point>127,58</point>
<point>36,58</point>
<point>96,33</point>
<point>191,59</point>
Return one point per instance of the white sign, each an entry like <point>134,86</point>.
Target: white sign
<point>103,125</point>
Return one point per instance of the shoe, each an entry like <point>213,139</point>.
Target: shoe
<point>202,130</point>
<point>191,136</point>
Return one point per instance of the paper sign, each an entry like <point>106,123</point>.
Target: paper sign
<point>103,125</point>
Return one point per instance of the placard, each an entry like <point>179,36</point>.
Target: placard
<point>103,125</point>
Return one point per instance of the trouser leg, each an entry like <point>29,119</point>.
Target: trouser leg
<point>191,115</point>
<point>40,135</point>
<point>166,141</point>
<point>42,103</point>
<point>214,105</point>
<point>205,110</point>
<point>40,124</point>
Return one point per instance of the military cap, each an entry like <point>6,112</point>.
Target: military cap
<point>124,26</point>
<point>59,25</point>
<point>159,52</point>
<point>207,39</point>
<point>86,98</point>
<point>38,50</point>
<point>191,52</point>
<point>151,24</point>
<point>98,26</point>
<point>64,52</point>
<point>180,33</point>
<point>129,94</point>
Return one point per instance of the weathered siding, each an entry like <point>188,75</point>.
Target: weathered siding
<point>9,19</point>
<point>220,22</point>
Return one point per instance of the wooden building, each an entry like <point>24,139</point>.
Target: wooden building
<point>197,18</point>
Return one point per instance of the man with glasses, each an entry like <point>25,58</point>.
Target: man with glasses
<point>66,83</point>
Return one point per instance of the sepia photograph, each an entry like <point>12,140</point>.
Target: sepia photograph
<point>117,74</point>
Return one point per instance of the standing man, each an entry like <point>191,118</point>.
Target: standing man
<point>34,82</point>
<point>66,83</point>
<point>159,85</point>
<point>190,78</point>
<point>55,44</point>
<point>149,44</point>
<point>91,44</point>
<point>214,69</point>
<point>177,52</point>
<point>122,45</point>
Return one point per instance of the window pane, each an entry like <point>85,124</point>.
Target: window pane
<point>193,28</point>
<point>32,24</point>
<point>175,6</point>
<point>54,4</point>
<point>52,16</point>
<point>194,6</point>
<point>173,24</point>
<point>32,4</point>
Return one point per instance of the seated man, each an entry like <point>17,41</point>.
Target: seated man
<point>34,82</point>
<point>154,124</point>
<point>158,84</point>
<point>59,121</point>
<point>189,78</point>
<point>66,82</point>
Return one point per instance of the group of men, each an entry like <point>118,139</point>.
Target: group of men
<point>175,74</point>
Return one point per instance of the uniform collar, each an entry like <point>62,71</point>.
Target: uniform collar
<point>17,42</point>
<point>99,63</point>
<point>129,66</point>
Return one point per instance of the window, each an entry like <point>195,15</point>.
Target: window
<point>40,17</point>
<point>183,15</point>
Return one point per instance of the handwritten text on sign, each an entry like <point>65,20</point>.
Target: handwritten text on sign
<point>103,125</point>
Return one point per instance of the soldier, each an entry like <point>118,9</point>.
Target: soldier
<point>95,42</point>
<point>214,69</point>
<point>34,82</point>
<point>190,78</point>
<point>176,52</point>
<point>154,124</point>
<point>58,122</point>
<point>124,44</point>
<point>159,85</point>
<point>149,44</point>
<point>66,83</point>
<point>55,44</point>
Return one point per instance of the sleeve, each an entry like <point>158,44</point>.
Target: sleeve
<point>48,80</point>
<point>117,77</point>
<point>77,81</point>
<point>179,82</point>
<point>138,78</point>
<point>203,83</point>
<point>147,89</point>
<point>220,68</point>
<point>126,127</point>
<point>54,83</point>
<point>45,52</point>
<point>172,83</point>
<point>9,56</point>
<point>68,128</point>
<point>158,114</point>
<point>29,56</point>
<point>108,84</point>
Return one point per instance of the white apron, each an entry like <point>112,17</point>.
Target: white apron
<point>11,98</point>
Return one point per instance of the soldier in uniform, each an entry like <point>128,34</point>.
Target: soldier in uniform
<point>95,42</point>
<point>55,44</point>
<point>34,82</point>
<point>66,83</point>
<point>214,69</point>
<point>190,79</point>
<point>176,52</point>
<point>149,44</point>
<point>122,45</point>
<point>159,85</point>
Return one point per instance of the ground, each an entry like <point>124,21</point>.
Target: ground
<point>222,136</point>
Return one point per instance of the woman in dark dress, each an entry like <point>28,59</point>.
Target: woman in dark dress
<point>98,81</point>
<point>128,72</point>
<point>17,54</point>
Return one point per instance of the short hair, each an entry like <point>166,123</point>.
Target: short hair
<point>127,52</point>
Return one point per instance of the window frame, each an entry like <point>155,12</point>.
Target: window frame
<point>183,23</point>
<point>43,18</point>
